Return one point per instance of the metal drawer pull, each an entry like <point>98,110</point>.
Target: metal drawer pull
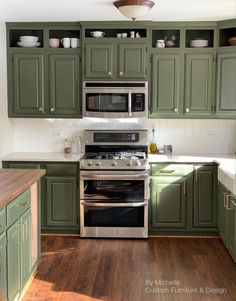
<point>228,205</point>
<point>184,188</point>
<point>23,204</point>
<point>116,205</point>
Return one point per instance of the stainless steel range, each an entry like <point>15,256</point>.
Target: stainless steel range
<point>114,184</point>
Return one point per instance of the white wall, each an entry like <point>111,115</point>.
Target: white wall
<point>6,124</point>
<point>186,136</point>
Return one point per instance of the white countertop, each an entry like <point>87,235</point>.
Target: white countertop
<point>226,162</point>
<point>42,157</point>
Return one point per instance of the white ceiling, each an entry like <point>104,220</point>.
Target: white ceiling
<point>75,10</point>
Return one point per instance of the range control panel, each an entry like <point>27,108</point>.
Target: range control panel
<point>115,137</point>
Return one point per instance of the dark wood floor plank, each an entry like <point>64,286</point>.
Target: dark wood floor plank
<point>74,269</point>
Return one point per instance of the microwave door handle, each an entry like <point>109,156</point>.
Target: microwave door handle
<point>114,205</point>
<point>129,104</point>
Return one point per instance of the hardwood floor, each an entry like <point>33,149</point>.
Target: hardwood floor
<point>163,268</point>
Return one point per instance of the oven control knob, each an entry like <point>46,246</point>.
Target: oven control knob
<point>129,163</point>
<point>114,163</point>
<point>137,163</point>
<point>90,163</point>
<point>98,163</point>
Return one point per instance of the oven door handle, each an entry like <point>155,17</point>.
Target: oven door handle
<point>112,176</point>
<point>129,104</point>
<point>113,205</point>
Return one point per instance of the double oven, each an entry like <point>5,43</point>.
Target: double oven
<point>114,185</point>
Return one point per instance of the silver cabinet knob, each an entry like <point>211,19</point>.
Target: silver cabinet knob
<point>137,163</point>
<point>114,163</point>
<point>109,72</point>
<point>52,109</point>
<point>121,73</point>
<point>187,110</point>
<point>98,163</point>
<point>129,163</point>
<point>175,110</point>
<point>40,109</point>
<point>90,163</point>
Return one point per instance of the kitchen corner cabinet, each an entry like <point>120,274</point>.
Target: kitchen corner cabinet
<point>226,220</point>
<point>113,60</point>
<point>226,85</point>
<point>204,201</point>
<point>3,266</point>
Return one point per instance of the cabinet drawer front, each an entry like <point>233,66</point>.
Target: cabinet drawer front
<point>171,169</point>
<point>2,219</point>
<point>62,169</point>
<point>18,206</point>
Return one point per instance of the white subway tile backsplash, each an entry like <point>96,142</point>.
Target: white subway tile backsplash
<point>186,136</point>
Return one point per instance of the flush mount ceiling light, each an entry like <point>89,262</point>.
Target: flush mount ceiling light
<point>133,8</point>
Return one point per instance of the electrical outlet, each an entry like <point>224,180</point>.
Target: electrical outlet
<point>56,134</point>
<point>211,133</point>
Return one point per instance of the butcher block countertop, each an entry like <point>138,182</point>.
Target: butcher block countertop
<point>15,181</point>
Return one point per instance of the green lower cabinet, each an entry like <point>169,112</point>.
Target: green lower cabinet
<point>205,179</point>
<point>222,213</point>
<point>61,202</point>
<point>232,227</point>
<point>165,85</point>
<point>226,85</point>
<point>199,79</point>
<point>14,261</point>
<point>3,267</point>
<point>168,202</point>
<point>26,247</point>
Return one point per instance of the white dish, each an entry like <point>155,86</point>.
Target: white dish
<point>199,43</point>
<point>31,39</point>
<point>21,44</point>
<point>97,34</point>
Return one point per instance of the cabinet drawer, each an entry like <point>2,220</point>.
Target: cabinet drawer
<point>62,169</point>
<point>18,206</point>
<point>2,219</point>
<point>171,169</point>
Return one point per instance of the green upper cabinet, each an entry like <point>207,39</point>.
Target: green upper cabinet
<point>165,94</point>
<point>205,178</point>
<point>226,85</point>
<point>132,60</point>
<point>64,84</point>
<point>26,83</point>
<point>99,60</point>
<point>3,268</point>
<point>198,84</point>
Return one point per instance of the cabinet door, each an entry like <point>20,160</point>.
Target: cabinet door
<point>168,202</point>
<point>165,84</point>
<point>24,165</point>
<point>226,85</point>
<point>205,196</point>
<point>3,270</point>
<point>132,61</point>
<point>64,84</point>
<point>232,227</point>
<point>26,239</point>
<point>27,84</point>
<point>13,261</point>
<point>99,61</point>
<point>198,84</point>
<point>61,201</point>
<point>222,219</point>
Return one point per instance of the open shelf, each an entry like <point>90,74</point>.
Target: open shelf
<point>205,34</point>
<point>166,34</point>
<point>14,36</point>
<point>225,34</point>
<point>112,33</point>
<point>60,34</point>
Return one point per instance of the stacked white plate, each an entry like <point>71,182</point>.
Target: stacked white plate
<point>28,41</point>
<point>199,43</point>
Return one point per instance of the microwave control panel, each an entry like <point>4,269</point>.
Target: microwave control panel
<point>116,137</point>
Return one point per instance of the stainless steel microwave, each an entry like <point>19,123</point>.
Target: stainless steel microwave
<point>113,99</point>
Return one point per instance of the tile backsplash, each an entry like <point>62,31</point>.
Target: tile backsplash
<point>186,136</point>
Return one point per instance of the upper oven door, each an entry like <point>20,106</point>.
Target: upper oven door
<point>113,188</point>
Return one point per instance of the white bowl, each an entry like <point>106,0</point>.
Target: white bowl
<point>97,34</point>
<point>31,39</point>
<point>199,43</point>
<point>27,44</point>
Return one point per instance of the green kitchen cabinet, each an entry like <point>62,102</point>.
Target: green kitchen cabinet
<point>3,267</point>
<point>23,165</point>
<point>204,202</point>
<point>232,226</point>
<point>226,85</point>
<point>26,247</point>
<point>64,84</point>
<point>168,202</point>
<point>26,84</point>
<point>165,90</point>
<point>14,261</point>
<point>99,60</point>
<point>114,60</point>
<point>62,201</point>
<point>199,80</point>
<point>222,220</point>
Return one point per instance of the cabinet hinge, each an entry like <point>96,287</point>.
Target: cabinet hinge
<point>150,59</point>
<point>146,49</point>
<point>215,59</point>
<point>80,59</point>
<point>12,59</point>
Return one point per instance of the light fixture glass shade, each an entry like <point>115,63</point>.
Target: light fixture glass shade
<point>134,8</point>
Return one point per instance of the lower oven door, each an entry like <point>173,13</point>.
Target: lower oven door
<point>113,205</point>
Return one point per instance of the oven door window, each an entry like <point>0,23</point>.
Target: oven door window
<point>114,191</point>
<point>107,102</point>
<point>113,216</point>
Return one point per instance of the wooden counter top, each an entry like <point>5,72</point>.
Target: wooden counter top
<point>14,181</point>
